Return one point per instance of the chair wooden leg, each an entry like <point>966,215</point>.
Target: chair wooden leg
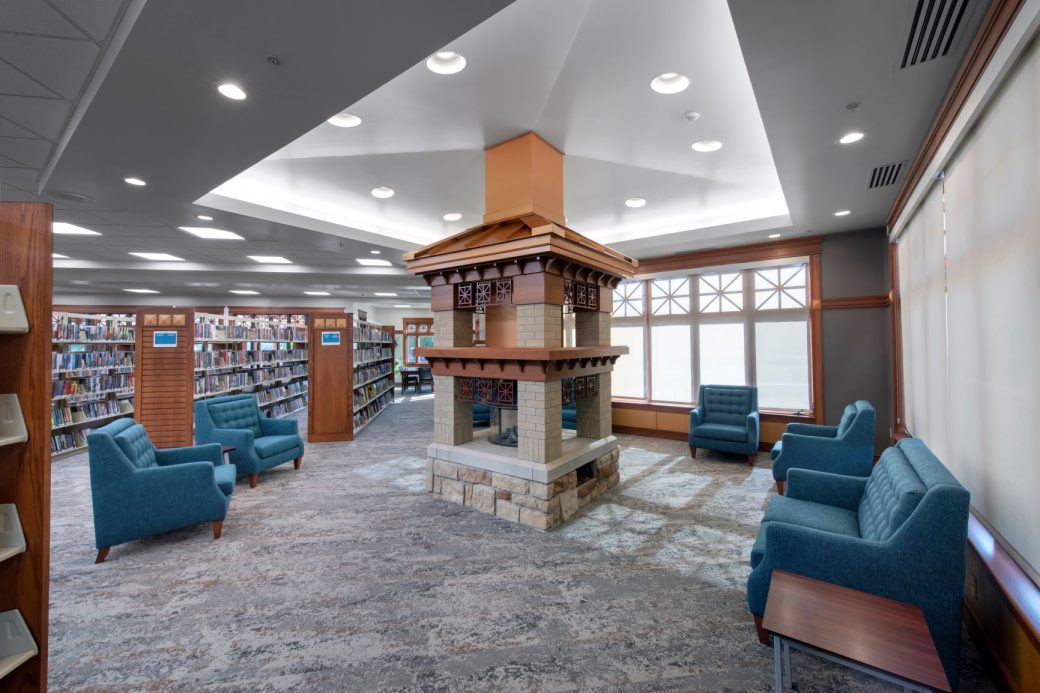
<point>253,478</point>
<point>102,554</point>
<point>751,460</point>
<point>780,486</point>
<point>218,527</point>
<point>763,634</point>
<point>297,462</point>
<point>693,451</point>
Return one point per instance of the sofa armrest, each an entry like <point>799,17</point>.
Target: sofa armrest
<point>826,488</point>
<point>178,486</point>
<point>210,452</point>
<point>696,417</point>
<point>752,429</point>
<point>822,454</point>
<point>817,430</point>
<point>280,427</point>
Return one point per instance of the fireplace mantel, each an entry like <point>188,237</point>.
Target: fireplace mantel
<point>522,363</point>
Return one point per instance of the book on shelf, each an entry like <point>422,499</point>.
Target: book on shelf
<point>94,359</point>
<point>94,385</point>
<point>91,329</point>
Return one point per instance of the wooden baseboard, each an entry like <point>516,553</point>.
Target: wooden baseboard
<point>328,437</point>
<point>651,433</point>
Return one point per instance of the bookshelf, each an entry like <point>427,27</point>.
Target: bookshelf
<point>25,484</point>
<point>373,376</point>
<point>92,375</point>
<point>263,354</point>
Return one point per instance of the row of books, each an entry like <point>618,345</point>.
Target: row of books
<point>84,332</point>
<point>62,414</point>
<point>365,415</point>
<point>60,442</point>
<point>363,356</point>
<point>207,330</point>
<point>287,407</point>
<point>68,387</point>
<point>363,332</point>
<point>370,393</point>
<point>364,374</point>
<point>62,361</point>
<point>226,358</point>
<point>288,390</point>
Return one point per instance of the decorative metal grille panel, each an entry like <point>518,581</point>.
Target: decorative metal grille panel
<point>492,392</point>
<point>477,295</point>
<point>579,387</point>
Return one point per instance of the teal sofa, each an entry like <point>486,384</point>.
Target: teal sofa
<point>138,491</point>
<point>260,443</point>
<point>900,533</point>
<point>847,448</point>
<point>726,419</point>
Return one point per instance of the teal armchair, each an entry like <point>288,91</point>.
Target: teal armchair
<point>726,419</point>
<point>138,491</point>
<point>260,443</point>
<point>847,448</point>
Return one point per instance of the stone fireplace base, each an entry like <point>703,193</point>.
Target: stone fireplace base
<point>541,496</point>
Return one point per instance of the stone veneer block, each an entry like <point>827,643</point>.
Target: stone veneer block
<point>591,328</point>
<point>539,325</point>
<point>539,420</point>
<point>452,418</point>
<point>454,328</point>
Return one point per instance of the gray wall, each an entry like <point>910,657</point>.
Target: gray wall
<point>857,341</point>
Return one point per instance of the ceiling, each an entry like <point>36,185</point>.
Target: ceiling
<point>772,81</point>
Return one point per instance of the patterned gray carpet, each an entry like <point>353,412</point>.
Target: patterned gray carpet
<point>345,576</point>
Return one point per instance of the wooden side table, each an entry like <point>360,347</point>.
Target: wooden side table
<point>883,638</point>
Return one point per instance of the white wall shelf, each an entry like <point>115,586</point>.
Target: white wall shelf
<point>16,642</point>
<point>12,541</point>
<point>12,425</point>
<point>12,310</point>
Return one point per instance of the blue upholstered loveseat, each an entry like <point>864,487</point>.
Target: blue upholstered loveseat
<point>847,448</point>
<point>899,533</point>
<point>138,491</point>
<point>260,443</point>
<point>726,419</point>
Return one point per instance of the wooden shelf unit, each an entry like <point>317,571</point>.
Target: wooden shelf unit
<point>92,375</point>
<point>25,261</point>
<point>372,377</point>
<point>263,354</point>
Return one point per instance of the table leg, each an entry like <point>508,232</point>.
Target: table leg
<point>778,667</point>
<point>787,664</point>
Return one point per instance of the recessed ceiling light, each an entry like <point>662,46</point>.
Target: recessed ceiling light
<point>232,91</point>
<point>317,293</point>
<point>345,120</point>
<point>209,234</point>
<point>375,252</point>
<point>79,281</point>
<point>141,291</point>
<point>452,216</point>
<point>401,305</point>
<point>63,229</point>
<point>850,137</point>
<point>59,256</point>
<point>706,146</point>
<point>158,257</point>
<point>206,284</point>
<point>669,83</point>
<point>842,213</point>
<point>385,294</point>
<point>774,235</point>
<point>372,262</point>
<point>245,292</point>
<point>135,181</point>
<point>446,63</point>
<point>382,192</point>
<point>203,217</point>
<point>270,259</point>
<point>635,202</point>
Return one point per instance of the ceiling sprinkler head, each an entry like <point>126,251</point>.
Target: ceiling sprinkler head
<point>692,116</point>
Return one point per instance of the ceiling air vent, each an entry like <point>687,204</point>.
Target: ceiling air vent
<point>885,174</point>
<point>933,30</point>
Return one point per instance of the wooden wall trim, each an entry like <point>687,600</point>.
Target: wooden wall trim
<point>995,24</point>
<point>756,252</point>
<point>881,301</point>
<point>816,336</point>
<point>650,432</point>
<point>898,401</point>
<point>764,414</point>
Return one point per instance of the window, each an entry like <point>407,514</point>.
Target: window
<point>722,327</point>
<point>418,333</point>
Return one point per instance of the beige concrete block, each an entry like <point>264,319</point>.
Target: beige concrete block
<point>474,475</point>
<point>454,491</point>
<point>507,510</point>
<point>540,490</point>
<point>531,502</point>
<point>534,518</point>
<point>447,470</point>
<point>569,503</point>
<point>482,498</point>
<point>429,475</point>
<point>504,482</point>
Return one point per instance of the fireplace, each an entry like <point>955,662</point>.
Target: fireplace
<point>503,427</point>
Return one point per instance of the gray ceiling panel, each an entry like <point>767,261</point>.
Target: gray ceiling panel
<point>93,16</point>
<point>36,17</point>
<point>44,117</point>
<point>60,64</point>
<point>10,129</point>
<point>31,152</point>
<point>21,178</point>
<point>13,81</point>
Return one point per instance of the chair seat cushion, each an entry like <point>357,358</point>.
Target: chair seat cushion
<point>718,431</point>
<point>225,476</point>
<point>792,511</point>
<point>272,445</point>
<point>778,447</point>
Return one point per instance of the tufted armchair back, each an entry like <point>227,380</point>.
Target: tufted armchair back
<point>235,412</point>
<point>857,423</point>
<point>117,449</point>
<point>728,404</point>
<point>137,447</point>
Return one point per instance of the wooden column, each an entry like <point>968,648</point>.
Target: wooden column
<point>25,476</point>
<point>330,374</point>
<point>164,388</point>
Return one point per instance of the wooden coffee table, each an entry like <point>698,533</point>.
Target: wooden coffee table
<point>880,637</point>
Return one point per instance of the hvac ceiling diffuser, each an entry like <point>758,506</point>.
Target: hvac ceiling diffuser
<point>933,30</point>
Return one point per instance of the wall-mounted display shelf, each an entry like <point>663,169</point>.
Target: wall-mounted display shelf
<point>262,354</point>
<point>92,375</point>
<point>16,642</point>
<point>12,424</point>
<point>12,310</point>
<point>12,540</point>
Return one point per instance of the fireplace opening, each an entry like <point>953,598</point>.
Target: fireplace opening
<point>587,472</point>
<point>503,427</point>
